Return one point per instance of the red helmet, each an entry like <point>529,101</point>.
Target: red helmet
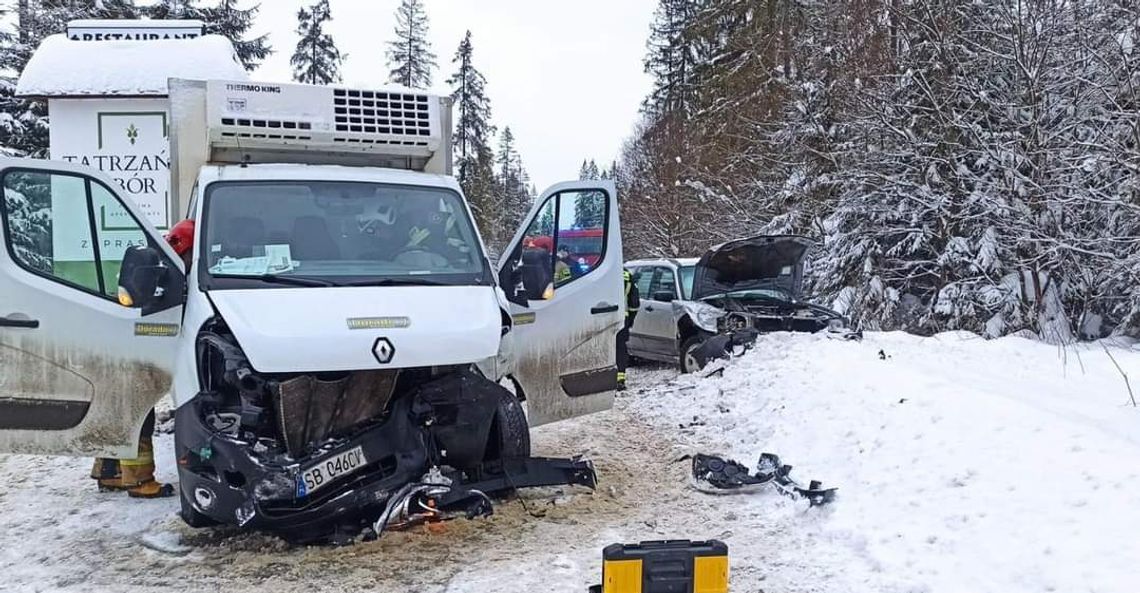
<point>181,236</point>
<point>539,242</point>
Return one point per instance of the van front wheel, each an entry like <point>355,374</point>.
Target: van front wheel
<point>510,433</point>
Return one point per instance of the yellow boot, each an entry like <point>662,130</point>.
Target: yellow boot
<point>137,475</point>
<point>108,474</point>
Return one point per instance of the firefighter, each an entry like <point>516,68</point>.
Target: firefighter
<point>181,238</point>
<point>632,304</point>
<point>136,476</point>
<point>563,266</point>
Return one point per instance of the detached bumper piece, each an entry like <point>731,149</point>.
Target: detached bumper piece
<point>531,472</point>
<point>726,345</point>
<point>440,495</point>
<point>716,474</point>
<point>671,566</point>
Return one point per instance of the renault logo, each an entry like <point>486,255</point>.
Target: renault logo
<point>383,350</point>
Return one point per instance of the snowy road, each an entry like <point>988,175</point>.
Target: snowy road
<point>963,466</point>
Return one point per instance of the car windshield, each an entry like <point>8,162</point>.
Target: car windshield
<point>326,233</point>
<point>687,273</point>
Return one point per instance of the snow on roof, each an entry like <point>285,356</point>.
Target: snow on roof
<point>65,68</point>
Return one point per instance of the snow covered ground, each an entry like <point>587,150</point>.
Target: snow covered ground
<point>963,466</point>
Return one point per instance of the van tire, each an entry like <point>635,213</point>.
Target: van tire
<point>510,433</point>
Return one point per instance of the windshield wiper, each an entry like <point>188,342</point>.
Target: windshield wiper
<point>283,279</point>
<point>396,282</point>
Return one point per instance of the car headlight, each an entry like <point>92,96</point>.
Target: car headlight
<point>836,324</point>
<point>707,316</point>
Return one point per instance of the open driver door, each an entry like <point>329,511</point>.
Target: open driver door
<point>79,371</point>
<point>562,273</point>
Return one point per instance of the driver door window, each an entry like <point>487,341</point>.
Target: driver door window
<point>565,241</point>
<point>115,231</point>
<point>67,228</point>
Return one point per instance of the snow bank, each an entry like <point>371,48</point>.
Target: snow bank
<point>62,67</point>
<point>964,465</point>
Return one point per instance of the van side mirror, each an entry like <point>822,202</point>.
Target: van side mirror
<point>663,296</point>
<point>146,282</point>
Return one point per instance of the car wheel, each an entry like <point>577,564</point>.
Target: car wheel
<point>192,517</point>
<point>510,433</point>
<point>689,362</point>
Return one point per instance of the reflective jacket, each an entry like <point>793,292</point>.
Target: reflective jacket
<point>632,296</point>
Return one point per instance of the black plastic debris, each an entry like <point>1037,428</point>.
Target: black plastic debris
<point>716,473</point>
<point>726,345</point>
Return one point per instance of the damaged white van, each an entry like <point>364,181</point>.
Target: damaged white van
<point>339,347</point>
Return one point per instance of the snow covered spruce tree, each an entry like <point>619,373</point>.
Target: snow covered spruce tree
<point>223,18</point>
<point>473,131</point>
<point>24,124</point>
<point>659,210</point>
<point>316,59</point>
<point>512,188</point>
<point>589,170</point>
<point>409,56</point>
<point>991,195</point>
<point>965,165</point>
<point>589,213</point>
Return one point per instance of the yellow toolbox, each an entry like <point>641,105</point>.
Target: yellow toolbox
<point>670,566</point>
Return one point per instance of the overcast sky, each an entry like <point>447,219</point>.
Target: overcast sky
<point>566,76</point>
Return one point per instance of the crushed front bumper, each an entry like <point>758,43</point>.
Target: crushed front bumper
<point>223,479</point>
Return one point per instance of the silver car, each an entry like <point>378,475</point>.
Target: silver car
<point>747,284</point>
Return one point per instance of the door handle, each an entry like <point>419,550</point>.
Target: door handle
<point>602,308</point>
<point>648,307</point>
<point>22,323</point>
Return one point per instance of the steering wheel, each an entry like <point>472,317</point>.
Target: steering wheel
<point>419,257</point>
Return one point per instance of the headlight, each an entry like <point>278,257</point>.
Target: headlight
<point>737,322</point>
<point>706,318</point>
<point>836,324</point>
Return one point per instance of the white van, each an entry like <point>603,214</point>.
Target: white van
<point>340,333</point>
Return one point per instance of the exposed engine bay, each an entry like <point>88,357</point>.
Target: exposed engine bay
<point>766,314</point>
<point>325,456</point>
<point>734,324</point>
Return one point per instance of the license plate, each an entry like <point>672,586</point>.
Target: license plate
<point>325,471</point>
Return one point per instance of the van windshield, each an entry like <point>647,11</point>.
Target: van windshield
<point>331,233</point>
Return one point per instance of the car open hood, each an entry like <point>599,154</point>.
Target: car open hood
<point>296,330</point>
<point>765,261</point>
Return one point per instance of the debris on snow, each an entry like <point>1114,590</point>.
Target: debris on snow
<point>713,474</point>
